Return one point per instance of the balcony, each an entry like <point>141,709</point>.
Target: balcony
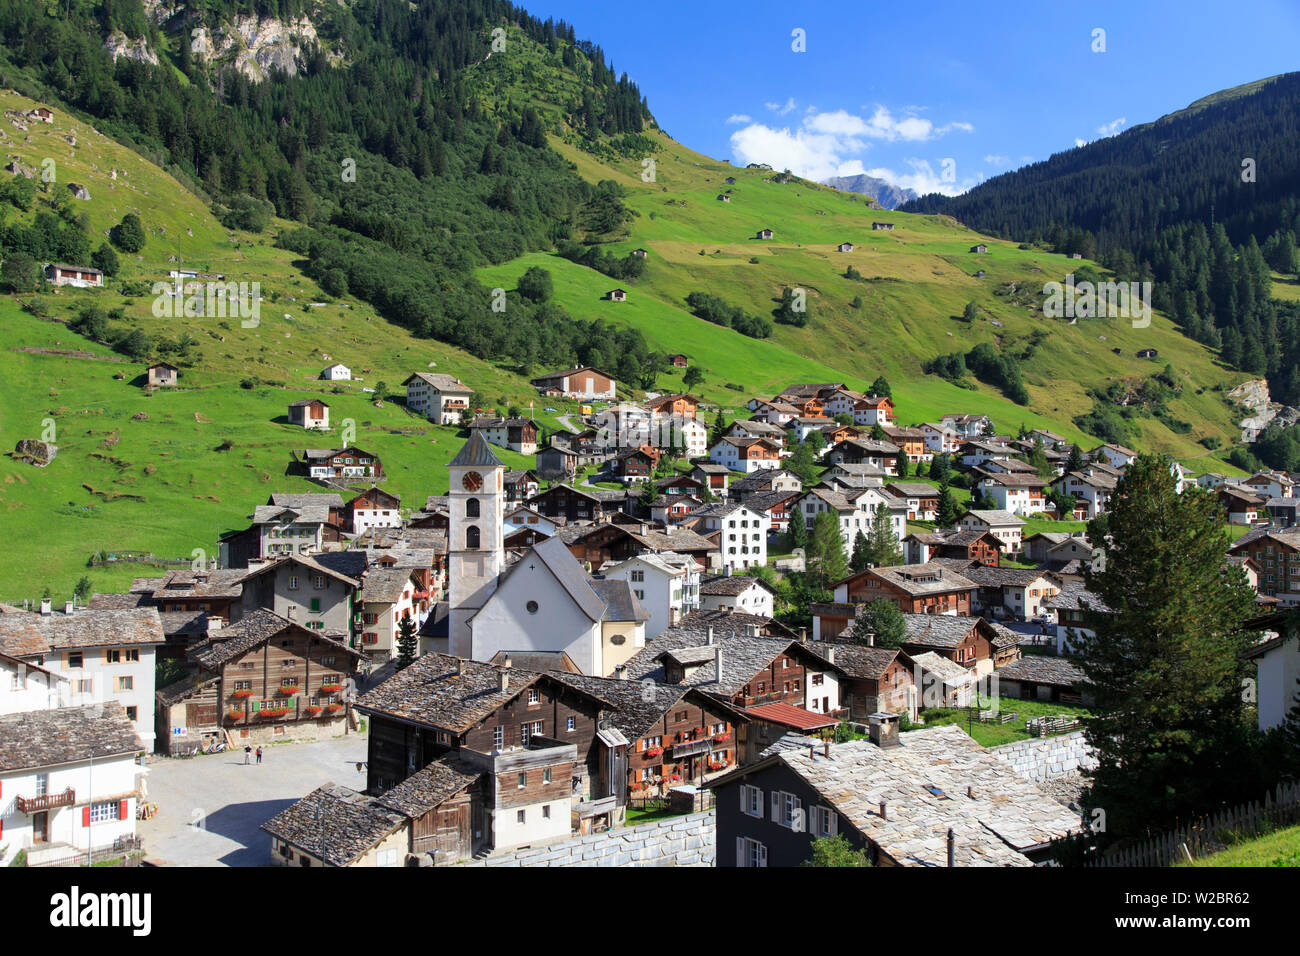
<point>690,748</point>
<point>47,802</point>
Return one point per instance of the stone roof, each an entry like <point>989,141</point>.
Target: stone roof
<point>999,577</point>
<point>26,634</point>
<point>307,499</point>
<point>442,382</point>
<point>639,706</point>
<point>45,738</point>
<point>176,692</point>
<point>996,518</point>
<point>305,514</point>
<point>425,789</point>
<point>334,824</point>
<point>621,603</point>
<point>857,660</point>
<point>743,656</point>
<point>938,630</point>
<point>249,631</point>
<point>537,661</point>
<point>1003,816</point>
<point>1074,596</point>
<point>914,489</point>
<point>922,579</point>
<point>729,585</point>
<point>950,672</point>
<point>1042,670</point>
<point>446,692</point>
<point>385,585</point>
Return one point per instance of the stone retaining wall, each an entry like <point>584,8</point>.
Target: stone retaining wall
<point>1044,758</point>
<point>688,840</point>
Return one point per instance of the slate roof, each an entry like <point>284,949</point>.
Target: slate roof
<point>914,489</point>
<point>938,630</point>
<point>119,601</point>
<point>729,585</point>
<point>996,518</point>
<point>620,603</point>
<point>990,577</point>
<point>856,660</point>
<point>743,656</point>
<point>1042,670</point>
<point>442,382</point>
<point>950,672</point>
<point>431,692</point>
<point>425,789</point>
<point>334,824</point>
<point>176,623</point>
<point>385,585</point>
<point>476,452</point>
<point>537,661</point>
<point>639,706</point>
<point>1073,596</point>
<point>1005,814</point>
<point>26,634</point>
<point>345,566</point>
<point>176,692</point>
<point>914,579</point>
<point>45,738</point>
<point>248,632</point>
<point>307,499</point>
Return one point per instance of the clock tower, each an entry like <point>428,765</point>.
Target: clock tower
<point>475,536</point>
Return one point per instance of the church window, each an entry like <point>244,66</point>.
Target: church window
<point>472,538</point>
<point>471,508</point>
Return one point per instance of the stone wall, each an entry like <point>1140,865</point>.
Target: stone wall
<point>689,840</point>
<point>1045,758</point>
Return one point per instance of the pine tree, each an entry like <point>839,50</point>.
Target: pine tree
<point>407,643</point>
<point>947,513</point>
<point>1076,459</point>
<point>881,624</point>
<point>1164,663</point>
<point>883,549</point>
<point>826,551</point>
<point>797,529</point>
<point>861,553</point>
<point>881,387</point>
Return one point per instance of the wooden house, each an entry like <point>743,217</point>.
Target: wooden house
<point>161,375</point>
<point>309,413</point>
<point>765,234</point>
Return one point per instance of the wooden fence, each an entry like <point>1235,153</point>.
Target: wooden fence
<point>1210,833</point>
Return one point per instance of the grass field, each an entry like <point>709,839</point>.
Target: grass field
<point>1279,848</point>
<point>991,735</point>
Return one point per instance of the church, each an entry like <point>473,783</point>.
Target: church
<point>544,607</point>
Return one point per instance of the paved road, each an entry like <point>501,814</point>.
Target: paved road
<point>230,801</point>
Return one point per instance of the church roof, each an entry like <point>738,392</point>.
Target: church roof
<point>477,452</point>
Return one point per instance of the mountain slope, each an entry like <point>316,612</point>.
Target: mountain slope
<point>887,194</point>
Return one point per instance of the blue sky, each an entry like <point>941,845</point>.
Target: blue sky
<point>897,89</point>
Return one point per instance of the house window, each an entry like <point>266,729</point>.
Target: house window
<point>125,683</point>
<point>103,812</point>
<point>534,696</point>
<point>472,508</point>
<point>546,810</point>
<point>131,713</point>
<point>293,582</point>
<point>133,654</point>
<point>113,656</point>
<point>319,583</point>
<point>498,738</point>
<point>523,780</point>
<point>521,817</point>
<point>569,723</point>
<point>74,659</point>
<point>817,680</point>
<point>85,686</point>
<point>751,853</point>
<point>751,801</point>
<point>472,537</point>
<point>42,784</point>
<point>546,775</point>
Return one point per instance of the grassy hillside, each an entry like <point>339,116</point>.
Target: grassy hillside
<point>157,482</point>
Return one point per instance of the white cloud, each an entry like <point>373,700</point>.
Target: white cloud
<point>923,179</point>
<point>995,160</point>
<point>737,118</point>
<point>829,144</point>
<point>1113,127</point>
<point>1080,142</point>
<point>780,110</point>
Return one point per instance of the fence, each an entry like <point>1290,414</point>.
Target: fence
<point>127,851</point>
<point>1046,726</point>
<point>1210,833</point>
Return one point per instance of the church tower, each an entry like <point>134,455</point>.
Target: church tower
<point>475,536</point>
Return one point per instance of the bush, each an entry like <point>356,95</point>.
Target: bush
<point>105,259</point>
<point>1211,442</point>
<point>247,213</point>
<point>20,272</point>
<point>129,234</point>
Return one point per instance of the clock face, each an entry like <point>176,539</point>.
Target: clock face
<point>472,481</point>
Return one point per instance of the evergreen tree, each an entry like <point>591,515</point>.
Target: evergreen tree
<point>105,259</point>
<point>941,468</point>
<point>797,530</point>
<point>904,465</point>
<point>826,562</point>
<point>407,643</point>
<point>883,550</point>
<point>1164,663</point>
<point>881,387</point>
<point>803,463</point>
<point>946,516</point>
<point>861,553</point>
<point>881,624</point>
<point>128,235</point>
<point>1076,460</point>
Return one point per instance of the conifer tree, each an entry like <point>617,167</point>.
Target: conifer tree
<point>407,643</point>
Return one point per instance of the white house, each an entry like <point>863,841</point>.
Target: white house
<point>1019,494</point>
<point>443,399</point>
<point>105,655</point>
<point>1006,527</point>
<point>1277,661</point>
<point>737,592</point>
<point>387,596</point>
<point>337,373</point>
<point>855,510</point>
<point>1117,456</point>
<point>374,508</point>
<point>26,686</point>
<point>969,426</point>
<point>742,533</point>
<point>746,454</point>
<point>941,439</point>
<point>667,584</point>
<point>524,518</point>
<point>678,431</point>
<point>69,781</point>
<point>1094,490</point>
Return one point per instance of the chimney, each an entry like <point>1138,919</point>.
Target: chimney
<point>830,654</point>
<point>711,639</point>
<point>68,607</point>
<point>883,814</point>
<point>645,529</point>
<point>952,849</point>
<point>460,666</point>
<point>45,606</point>
<point>620,672</point>
<point>812,751</point>
<point>970,792</point>
<point>717,662</point>
<point>882,728</point>
<point>803,635</point>
<point>726,572</point>
<point>503,679</point>
<point>507,662</point>
<point>826,748</point>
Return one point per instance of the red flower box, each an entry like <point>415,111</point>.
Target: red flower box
<point>311,711</point>
<point>654,751</point>
<point>234,715</point>
<point>721,738</point>
<point>273,712</point>
<point>334,708</point>
<point>330,688</point>
<point>241,694</point>
<point>287,691</point>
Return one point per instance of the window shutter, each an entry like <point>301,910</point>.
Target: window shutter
<point>797,817</point>
<point>121,809</point>
<point>740,851</point>
<point>85,816</point>
<point>758,802</point>
<point>762,855</point>
<point>832,822</point>
<point>776,806</point>
<point>744,798</point>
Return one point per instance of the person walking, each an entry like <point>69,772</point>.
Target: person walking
<point>259,754</point>
<point>247,753</point>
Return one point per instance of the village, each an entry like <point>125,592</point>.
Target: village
<point>603,660</point>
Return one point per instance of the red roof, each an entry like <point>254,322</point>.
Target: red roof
<point>789,716</point>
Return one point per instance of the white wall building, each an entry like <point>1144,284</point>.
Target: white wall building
<point>337,373</point>
<point>443,399</point>
<point>667,584</point>
<point>742,534</point>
